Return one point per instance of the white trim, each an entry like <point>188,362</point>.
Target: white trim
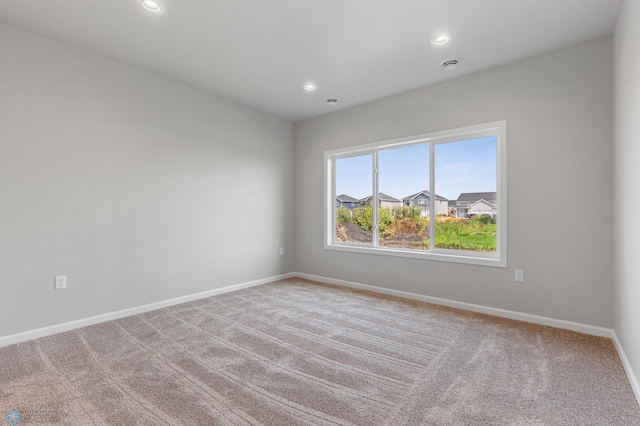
<point>497,129</point>
<point>456,256</point>
<point>627,366</point>
<point>503,313</point>
<point>375,203</point>
<point>72,325</point>
<point>432,205</point>
<point>535,319</point>
<point>501,193</point>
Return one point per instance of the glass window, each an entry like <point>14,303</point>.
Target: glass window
<point>439,196</point>
<point>402,172</point>
<point>354,177</point>
<point>467,170</point>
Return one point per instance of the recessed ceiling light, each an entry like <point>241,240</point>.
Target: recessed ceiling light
<point>310,87</point>
<point>152,6</point>
<point>441,39</point>
<point>450,65</point>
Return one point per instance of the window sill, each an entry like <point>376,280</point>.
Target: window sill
<point>470,258</point>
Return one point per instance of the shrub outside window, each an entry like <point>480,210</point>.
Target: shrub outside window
<point>437,196</point>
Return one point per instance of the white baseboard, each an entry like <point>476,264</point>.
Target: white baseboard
<point>627,366</point>
<point>72,325</point>
<point>535,319</point>
<point>503,313</point>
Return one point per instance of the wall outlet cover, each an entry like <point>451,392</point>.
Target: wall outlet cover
<point>60,282</point>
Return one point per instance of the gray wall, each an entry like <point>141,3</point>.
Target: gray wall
<point>558,108</point>
<point>126,183</point>
<point>626,148</point>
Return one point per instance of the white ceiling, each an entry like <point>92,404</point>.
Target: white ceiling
<point>261,52</point>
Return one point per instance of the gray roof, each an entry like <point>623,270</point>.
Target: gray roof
<point>472,197</point>
<point>382,197</point>
<point>425,192</point>
<point>346,199</point>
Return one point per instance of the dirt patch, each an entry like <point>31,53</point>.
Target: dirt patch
<point>352,233</point>
<point>445,219</point>
<point>399,240</point>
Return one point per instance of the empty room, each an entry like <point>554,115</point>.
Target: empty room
<point>363,212</point>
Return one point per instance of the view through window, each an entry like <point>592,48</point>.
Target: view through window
<point>433,194</point>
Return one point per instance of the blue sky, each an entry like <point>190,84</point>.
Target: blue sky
<point>461,166</point>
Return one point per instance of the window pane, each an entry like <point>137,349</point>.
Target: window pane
<point>354,184</point>
<point>459,221</point>
<point>465,173</point>
<point>403,180</point>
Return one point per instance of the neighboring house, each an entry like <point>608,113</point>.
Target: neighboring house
<point>481,207</point>
<point>384,200</point>
<point>347,201</point>
<point>475,204</point>
<point>422,200</point>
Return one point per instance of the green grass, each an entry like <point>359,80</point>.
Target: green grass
<point>466,236</point>
<point>477,234</point>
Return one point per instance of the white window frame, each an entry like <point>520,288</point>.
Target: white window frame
<point>497,259</point>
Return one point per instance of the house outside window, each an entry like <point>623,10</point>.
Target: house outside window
<point>437,196</point>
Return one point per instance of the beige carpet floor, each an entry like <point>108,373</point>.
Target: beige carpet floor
<point>296,353</point>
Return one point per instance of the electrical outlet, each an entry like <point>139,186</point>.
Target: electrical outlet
<point>60,282</point>
<point>281,251</point>
<point>519,275</point>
